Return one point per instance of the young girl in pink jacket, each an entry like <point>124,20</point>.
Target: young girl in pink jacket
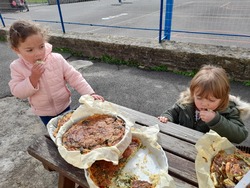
<point>40,75</point>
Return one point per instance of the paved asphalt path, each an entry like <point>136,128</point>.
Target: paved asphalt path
<point>150,92</point>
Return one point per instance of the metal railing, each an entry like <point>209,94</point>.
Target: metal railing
<point>224,22</point>
<point>169,27</point>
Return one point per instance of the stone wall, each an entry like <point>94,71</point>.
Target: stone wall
<point>149,53</point>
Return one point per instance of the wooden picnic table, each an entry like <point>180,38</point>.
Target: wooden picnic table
<point>177,141</point>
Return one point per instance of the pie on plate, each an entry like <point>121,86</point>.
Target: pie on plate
<point>228,168</point>
<point>93,131</point>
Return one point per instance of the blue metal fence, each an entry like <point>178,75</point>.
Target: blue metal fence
<point>166,28</point>
<point>2,20</point>
<point>60,14</point>
<point>233,6</point>
<point>168,19</point>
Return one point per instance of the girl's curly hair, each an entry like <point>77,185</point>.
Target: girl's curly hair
<point>22,29</point>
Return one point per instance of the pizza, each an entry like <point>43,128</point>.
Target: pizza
<point>107,175</point>
<point>61,121</point>
<point>227,169</point>
<point>98,130</point>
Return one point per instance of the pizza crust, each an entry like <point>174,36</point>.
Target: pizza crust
<point>60,121</point>
<point>56,123</point>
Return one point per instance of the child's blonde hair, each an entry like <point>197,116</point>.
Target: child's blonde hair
<point>21,29</point>
<point>211,80</point>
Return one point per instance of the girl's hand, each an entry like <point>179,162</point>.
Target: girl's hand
<point>37,70</point>
<point>97,97</point>
<point>163,119</point>
<point>207,115</point>
<point>36,73</point>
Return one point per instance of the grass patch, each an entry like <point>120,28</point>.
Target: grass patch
<point>115,61</point>
<point>188,73</point>
<point>104,58</point>
<point>37,1</point>
<point>246,83</point>
<point>161,68</point>
<point>67,50</point>
<point>3,39</point>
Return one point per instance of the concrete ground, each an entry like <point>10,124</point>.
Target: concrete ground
<point>146,91</point>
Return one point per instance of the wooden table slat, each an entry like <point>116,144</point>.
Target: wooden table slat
<point>182,169</point>
<point>169,128</point>
<point>182,184</point>
<point>177,147</point>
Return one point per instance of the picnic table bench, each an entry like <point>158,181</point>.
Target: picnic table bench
<point>177,141</point>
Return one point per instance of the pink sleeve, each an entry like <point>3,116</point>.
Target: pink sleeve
<point>20,85</point>
<point>76,80</point>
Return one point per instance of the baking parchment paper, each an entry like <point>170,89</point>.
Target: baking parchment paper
<point>52,124</point>
<point>89,107</point>
<point>150,163</point>
<point>208,146</point>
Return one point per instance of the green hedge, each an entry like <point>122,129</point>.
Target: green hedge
<point>37,1</point>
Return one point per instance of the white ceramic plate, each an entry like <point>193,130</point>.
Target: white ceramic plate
<point>149,164</point>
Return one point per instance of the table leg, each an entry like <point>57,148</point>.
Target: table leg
<point>47,168</point>
<point>64,182</point>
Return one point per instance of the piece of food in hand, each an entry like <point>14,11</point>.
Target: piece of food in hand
<point>39,62</point>
<point>98,130</point>
<point>227,169</point>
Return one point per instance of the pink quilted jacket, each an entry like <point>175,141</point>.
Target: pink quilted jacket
<point>52,95</point>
